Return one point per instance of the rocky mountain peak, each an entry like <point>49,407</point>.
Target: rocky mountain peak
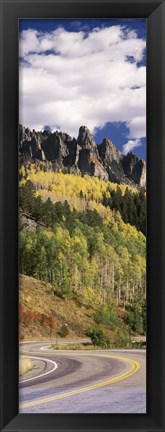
<point>85,139</point>
<point>108,152</point>
<point>82,155</point>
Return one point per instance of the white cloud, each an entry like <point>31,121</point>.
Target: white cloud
<point>86,79</point>
<point>130,145</point>
<point>137,126</point>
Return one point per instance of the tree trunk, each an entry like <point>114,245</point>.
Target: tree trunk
<point>127,292</point>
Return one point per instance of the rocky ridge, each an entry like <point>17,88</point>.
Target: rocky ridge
<point>61,151</point>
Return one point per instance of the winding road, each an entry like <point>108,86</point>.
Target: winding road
<point>101,381</point>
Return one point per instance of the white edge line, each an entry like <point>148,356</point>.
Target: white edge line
<point>46,373</point>
<point>45,347</point>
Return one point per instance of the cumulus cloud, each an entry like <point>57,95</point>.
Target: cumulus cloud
<point>130,145</point>
<point>70,78</point>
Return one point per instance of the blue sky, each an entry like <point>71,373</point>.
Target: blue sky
<point>85,72</point>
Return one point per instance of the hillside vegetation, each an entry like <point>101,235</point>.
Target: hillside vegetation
<point>39,306</point>
<point>83,248</point>
<point>43,316</point>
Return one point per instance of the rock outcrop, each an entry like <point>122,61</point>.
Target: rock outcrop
<point>81,155</point>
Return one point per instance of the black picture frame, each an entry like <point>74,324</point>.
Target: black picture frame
<point>154,12</point>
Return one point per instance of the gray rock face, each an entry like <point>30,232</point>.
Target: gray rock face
<point>82,155</point>
<point>108,152</point>
<point>26,221</point>
<point>111,159</point>
<point>85,139</point>
<point>135,169</point>
<point>89,163</point>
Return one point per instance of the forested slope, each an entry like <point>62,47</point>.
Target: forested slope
<point>81,245</point>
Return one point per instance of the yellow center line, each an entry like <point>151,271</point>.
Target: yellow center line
<point>135,366</point>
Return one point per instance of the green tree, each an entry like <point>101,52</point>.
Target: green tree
<point>98,337</point>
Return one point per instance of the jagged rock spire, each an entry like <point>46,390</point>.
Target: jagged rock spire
<point>85,139</point>
<point>83,155</point>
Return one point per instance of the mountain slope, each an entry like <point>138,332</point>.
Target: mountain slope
<point>37,297</point>
<point>76,252</point>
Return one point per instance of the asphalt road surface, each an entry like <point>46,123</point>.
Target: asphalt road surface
<point>104,381</point>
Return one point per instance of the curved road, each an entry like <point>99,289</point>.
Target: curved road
<point>104,381</point>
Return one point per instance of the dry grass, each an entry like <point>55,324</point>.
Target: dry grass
<point>25,365</point>
<point>38,296</point>
<point>78,347</point>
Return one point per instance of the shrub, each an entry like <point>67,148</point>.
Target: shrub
<point>136,318</point>
<point>107,315</point>
<point>102,316</point>
<point>123,337</point>
<point>98,337</point>
<point>63,331</point>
